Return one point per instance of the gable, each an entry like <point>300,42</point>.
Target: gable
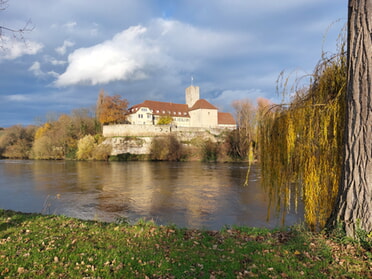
<point>202,104</point>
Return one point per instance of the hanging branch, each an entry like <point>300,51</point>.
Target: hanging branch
<point>17,33</point>
<point>27,28</point>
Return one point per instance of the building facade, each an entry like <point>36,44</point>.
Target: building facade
<point>195,113</point>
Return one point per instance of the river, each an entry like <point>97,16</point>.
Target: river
<point>187,194</point>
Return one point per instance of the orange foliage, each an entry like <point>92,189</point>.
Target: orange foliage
<point>111,109</point>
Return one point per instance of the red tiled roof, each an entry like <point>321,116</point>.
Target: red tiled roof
<point>202,104</point>
<point>163,108</point>
<point>226,118</point>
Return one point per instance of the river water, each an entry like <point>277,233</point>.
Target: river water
<point>187,194</point>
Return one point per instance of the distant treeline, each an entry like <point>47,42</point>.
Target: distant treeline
<point>74,138</point>
<point>78,136</point>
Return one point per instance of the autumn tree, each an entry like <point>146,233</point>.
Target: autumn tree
<point>16,142</point>
<point>353,207</point>
<point>58,139</point>
<point>111,109</point>
<point>85,122</point>
<point>241,138</point>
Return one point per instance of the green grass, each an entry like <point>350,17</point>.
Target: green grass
<point>39,246</point>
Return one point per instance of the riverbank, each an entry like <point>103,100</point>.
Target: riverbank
<point>39,246</point>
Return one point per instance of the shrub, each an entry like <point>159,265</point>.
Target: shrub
<point>91,148</point>
<point>16,142</point>
<point>86,147</point>
<point>165,120</point>
<point>166,148</point>
<point>101,152</point>
<point>210,151</point>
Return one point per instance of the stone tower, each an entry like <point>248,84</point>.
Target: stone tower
<point>192,95</point>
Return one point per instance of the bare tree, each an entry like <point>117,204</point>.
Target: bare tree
<point>353,208</point>
<point>16,33</point>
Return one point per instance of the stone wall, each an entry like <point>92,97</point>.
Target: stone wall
<point>136,139</point>
<point>124,130</point>
<point>132,145</point>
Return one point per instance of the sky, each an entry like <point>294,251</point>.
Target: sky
<point>154,49</point>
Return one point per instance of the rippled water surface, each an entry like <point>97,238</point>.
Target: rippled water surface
<point>188,194</point>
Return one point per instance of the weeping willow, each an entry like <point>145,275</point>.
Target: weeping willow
<point>301,144</point>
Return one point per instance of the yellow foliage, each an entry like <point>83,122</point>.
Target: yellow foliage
<point>165,120</point>
<point>41,131</point>
<point>301,145</point>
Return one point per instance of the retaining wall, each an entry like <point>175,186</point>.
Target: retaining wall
<point>123,130</point>
<point>136,139</point>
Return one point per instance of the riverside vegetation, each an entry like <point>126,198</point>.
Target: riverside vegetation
<point>78,136</point>
<point>38,246</point>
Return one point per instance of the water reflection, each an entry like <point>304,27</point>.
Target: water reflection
<point>188,194</point>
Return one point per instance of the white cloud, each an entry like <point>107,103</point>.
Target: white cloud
<point>13,48</point>
<point>70,25</point>
<point>62,49</point>
<point>17,98</point>
<point>35,68</point>
<point>138,51</point>
<point>121,58</point>
<point>56,62</point>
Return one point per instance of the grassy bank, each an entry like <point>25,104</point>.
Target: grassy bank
<point>37,246</point>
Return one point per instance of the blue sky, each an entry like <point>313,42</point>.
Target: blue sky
<point>149,50</point>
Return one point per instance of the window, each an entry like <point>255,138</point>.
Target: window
<point>144,109</point>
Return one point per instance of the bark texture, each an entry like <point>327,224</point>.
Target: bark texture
<point>354,204</point>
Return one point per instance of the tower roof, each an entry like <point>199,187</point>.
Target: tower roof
<point>202,104</point>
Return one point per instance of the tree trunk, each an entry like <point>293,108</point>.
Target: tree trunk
<point>353,208</point>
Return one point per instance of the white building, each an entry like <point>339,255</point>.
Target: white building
<point>195,113</point>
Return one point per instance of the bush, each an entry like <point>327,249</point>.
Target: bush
<point>210,151</point>
<point>44,148</point>
<point>91,148</point>
<point>101,152</point>
<point>16,142</point>
<point>86,146</point>
<point>166,149</point>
